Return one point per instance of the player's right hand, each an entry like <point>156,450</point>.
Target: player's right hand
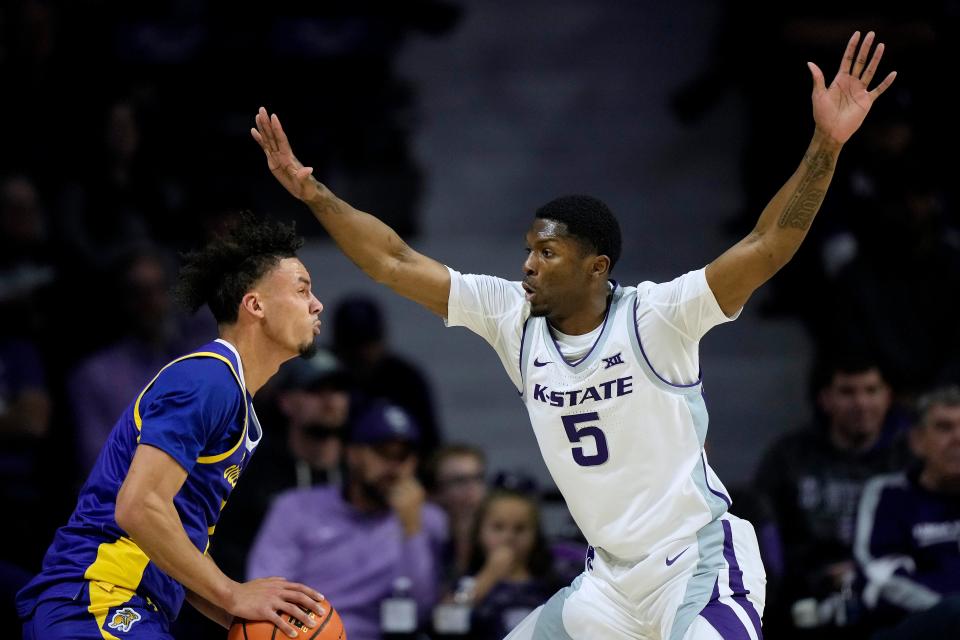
<point>273,599</point>
<point>290,172</point>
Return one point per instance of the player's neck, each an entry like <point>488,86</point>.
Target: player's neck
<point>584,317</point>
<point>259,357</point>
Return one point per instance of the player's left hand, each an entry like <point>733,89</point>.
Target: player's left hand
<point>839,110</point>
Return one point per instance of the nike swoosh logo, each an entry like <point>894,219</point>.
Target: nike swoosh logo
<point>674,559</point>
<point>537,363</point>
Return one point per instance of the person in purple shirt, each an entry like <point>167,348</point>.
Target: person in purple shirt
<point>153,331</point>
<point>358,540</point>
<point>908,530</point>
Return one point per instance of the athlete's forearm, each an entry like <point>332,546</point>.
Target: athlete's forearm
<point>156,528</point>
<point>786,219</point>
<point>369,243</point>
<point>210,610</point>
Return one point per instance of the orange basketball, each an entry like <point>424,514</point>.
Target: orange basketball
<point>330,628</point>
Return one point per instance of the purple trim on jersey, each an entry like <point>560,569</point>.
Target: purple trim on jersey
<point>523,336</point>
<point>706,480</point>
<point>643,352</point>
<point>722,618</point>
<point>735,577</point>
<point>613,292</point>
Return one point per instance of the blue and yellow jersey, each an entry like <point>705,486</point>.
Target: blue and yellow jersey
<point>198,411</point>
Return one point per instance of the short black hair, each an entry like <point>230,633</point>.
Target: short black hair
<point>849,362</point>
<point>222,272</point>
<point>589,220</point>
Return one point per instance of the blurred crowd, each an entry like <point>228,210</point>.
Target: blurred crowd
<point>857,513</point>
<point>126,144</point>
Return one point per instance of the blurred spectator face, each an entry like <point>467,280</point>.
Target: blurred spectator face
<point>461,485</point>
<point>856,404</point>
<point>147,297</point>
<point>21,216</point>
<point>377,468</point>
<point>509,521</point>
<point>325,406</point>
<point>317,418</point>
<point>937,442</point>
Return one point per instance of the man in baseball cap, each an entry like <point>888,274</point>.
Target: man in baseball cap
<point>356,540</point>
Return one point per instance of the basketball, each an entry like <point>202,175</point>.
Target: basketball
<point>330,628</point>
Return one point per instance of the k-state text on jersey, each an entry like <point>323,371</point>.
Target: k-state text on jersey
<point>603,391</point>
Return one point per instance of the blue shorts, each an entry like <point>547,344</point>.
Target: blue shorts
<point>100,611</point>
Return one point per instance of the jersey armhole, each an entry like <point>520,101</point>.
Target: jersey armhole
<point>209,459</point>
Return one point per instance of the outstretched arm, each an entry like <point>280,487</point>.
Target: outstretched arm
<point>838,111</point>
<point>368,242</point>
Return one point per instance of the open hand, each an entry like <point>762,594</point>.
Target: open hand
<point>290,172</point>
<point>839,110</point>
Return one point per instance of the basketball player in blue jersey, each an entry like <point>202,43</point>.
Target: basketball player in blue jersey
<point>136,543</point>
<point>610,378</point>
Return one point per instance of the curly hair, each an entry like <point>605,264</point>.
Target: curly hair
<point>588,220</point>
<point>221,273</point>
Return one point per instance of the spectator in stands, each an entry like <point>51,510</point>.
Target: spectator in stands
<point>102,384</point>
<point>511,564</point>
<point>315,402</point>
<point>458,485</point>
<point>25,262</point>
<point>108,205</point>
<point>899,309</point>
<point>813,479</point>
<point>908,531</point>
<point>360,341</point>
<point>353,543</point>
<point>27,441</point>
<point>26,484</point>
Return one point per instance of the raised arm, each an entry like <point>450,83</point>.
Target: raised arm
<point>838,111</point>
<point>368,242</point>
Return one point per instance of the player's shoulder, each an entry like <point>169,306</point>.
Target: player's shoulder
<point>211,377</point>
<point>695,278</point>
<point>201,369</point>
<point>486,282</point>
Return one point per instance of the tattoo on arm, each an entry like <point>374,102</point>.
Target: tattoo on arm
<point>806,200</point>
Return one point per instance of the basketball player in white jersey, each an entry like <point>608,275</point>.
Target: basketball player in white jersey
<point>610,377</point>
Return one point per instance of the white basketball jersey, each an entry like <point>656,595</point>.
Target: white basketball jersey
<point>624,445</point>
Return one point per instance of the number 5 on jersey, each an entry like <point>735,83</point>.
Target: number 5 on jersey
<point>575,434</point>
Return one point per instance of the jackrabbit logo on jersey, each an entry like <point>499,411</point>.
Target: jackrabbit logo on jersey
<point>123,619</point>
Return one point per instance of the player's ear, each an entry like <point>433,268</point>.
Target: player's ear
<point>601,266</point>
<point>251,304</point>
